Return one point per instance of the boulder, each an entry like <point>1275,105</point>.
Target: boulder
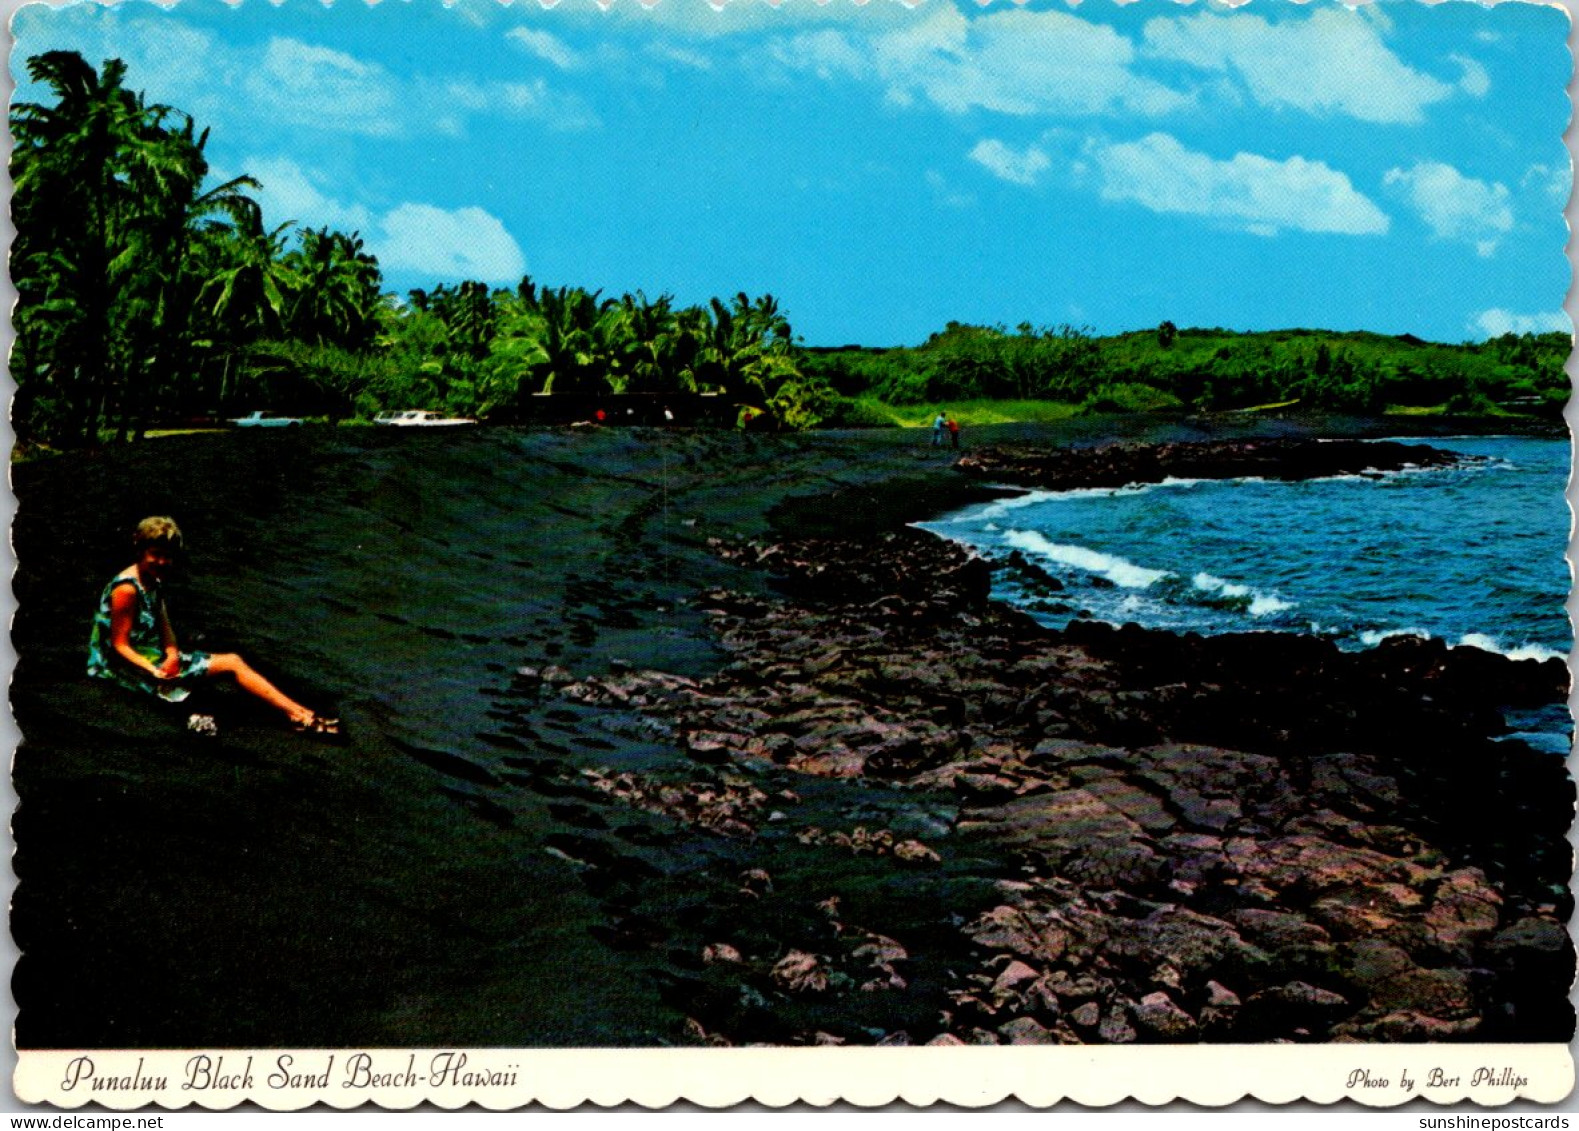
<point>1115,1028</point>
<point>1289,1010</point>
<point>1464,911</point>
<point>1026,1031</point>
<point>1443,994</point>
<point>1159,1019</point>
<point>1019,931</point>
<point>800,972</point>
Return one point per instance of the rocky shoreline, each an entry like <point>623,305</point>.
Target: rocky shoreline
<point>1243,838</point>
<point>1120,465</point>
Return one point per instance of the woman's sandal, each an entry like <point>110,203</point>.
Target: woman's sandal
<point>203,725</point>
<point>317,724</point>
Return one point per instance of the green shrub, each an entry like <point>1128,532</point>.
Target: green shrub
<point>1472,402</point>
<point>1128,396</point>
<point>860,412</point>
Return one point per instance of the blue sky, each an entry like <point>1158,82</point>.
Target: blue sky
<point>884,168</point>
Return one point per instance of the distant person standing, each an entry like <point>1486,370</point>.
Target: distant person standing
<point>953,433</point>
<point>937,429</point>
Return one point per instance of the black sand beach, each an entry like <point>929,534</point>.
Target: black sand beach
<point>676,737</point>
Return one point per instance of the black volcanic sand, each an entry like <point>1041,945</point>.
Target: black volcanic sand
<point>665,737</point>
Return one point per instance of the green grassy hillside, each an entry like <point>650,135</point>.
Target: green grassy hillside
<point>1203,369</point>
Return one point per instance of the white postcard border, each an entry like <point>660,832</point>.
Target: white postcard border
<point>502,1079</point>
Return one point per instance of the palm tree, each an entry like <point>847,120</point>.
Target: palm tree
<point>747,352</point>
<point>69,206</point>
<point>107,207</point>
<point>336,292</point>
<point>248,282</point>
<point>567,348</point>
<point>762,320</point>
<point>661,347</point>
<point>171,248</point>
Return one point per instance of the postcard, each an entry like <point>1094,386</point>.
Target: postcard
<point>941,551</point>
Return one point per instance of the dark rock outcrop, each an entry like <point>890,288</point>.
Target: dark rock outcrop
<point>1117,465</point>
<point>1243,838</point>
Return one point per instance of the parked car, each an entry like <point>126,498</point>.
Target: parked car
<point>420,418</point>
<point>265,420</point>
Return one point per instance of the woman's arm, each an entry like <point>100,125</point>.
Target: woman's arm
<point>123,611</point>
<point>171,667</point>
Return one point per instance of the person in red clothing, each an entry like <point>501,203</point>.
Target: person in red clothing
<point>953,433</point>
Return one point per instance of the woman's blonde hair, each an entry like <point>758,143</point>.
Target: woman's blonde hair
<point>156,531</point>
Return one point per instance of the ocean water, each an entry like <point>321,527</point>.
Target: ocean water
<point>1472,555</point>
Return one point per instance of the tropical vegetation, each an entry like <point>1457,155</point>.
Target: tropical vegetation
<point>1202,370</point>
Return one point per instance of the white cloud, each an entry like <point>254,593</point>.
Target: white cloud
<point>946,194</point>
<point>1010,61</point>
<point>534,100</point>
<point>696,60</point>
<point>1018,62</point>
<point>1496,322</point>
<point>545,46</point>
<point>1453,206</point>
<point>466,243</point>
<point>463,243</point>
<point>1474,81</point>
<point>1555,184</point>
<point>320,88</point>
<point>1333,62</point>
<point>289,193</point>
<point>306,88</point>
<point>1002,161</point>
<point>721,19</point>
<point>826,53</point>
<point>1248,191</point>
<point>162,65</point>
<point>302,84</point>
<point>158,49</point>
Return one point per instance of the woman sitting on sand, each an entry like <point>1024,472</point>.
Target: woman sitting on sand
<point>133,644</point>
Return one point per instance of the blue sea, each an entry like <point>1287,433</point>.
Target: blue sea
<point>1473,555</point>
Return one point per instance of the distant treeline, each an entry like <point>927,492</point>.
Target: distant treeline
<point>149,298</point>
<point>1209,369</point>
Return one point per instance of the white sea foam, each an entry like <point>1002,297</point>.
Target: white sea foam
<point>1098,492</point>
<point>1178,481</point>
<point>1522,652</point>
<point>1017,502</point>
<point>987,513</point>
<point>1114,568</point>
<point>1000,507</point>
<point>1217,585</point>
<point>1431,440</point>
<point>1261,604</point>
<point>1469,640</point>
<point>1372,637</point>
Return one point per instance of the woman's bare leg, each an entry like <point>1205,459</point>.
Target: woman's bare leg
<point>228,663</point>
